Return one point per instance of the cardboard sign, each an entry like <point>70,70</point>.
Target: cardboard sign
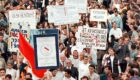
<point>14,34</point>
<point>81,5</point>
<point>98,15</point>
<point>61,15</point>
<point>92,37</point>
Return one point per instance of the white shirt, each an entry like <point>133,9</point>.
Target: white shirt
<point>12,72</point>
<point>59,75</point>
<point>112,59</point>
<point>83,69</point>
<point>71,78</point>
<point>116,32</point>
<point>75,62</point>
<point>29,70</point>
<point>94,76</point>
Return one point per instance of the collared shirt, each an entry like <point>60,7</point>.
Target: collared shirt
<point>116,32</point>
<point>71,78</point>
<point>94,76</point>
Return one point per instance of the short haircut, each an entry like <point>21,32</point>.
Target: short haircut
<point>1,34</point>
<point>8,76</point>
<point>131,72</point>
<point>29,74</point>
<point>85,77</point>
<point>109,67</point>
<point>2,69</point>
<point>68,71</point>
<point>91,65</point>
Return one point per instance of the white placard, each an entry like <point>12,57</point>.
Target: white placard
<point>60,15</point>
<point>22,15</point>
<point>81,5</point>
<point>98,15</point>
<point>92,37</point>
<point>46,52</point>
<point>13,41</point>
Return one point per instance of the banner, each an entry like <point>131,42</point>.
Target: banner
<point>60,15</point>
<point>81,5</point>
<point>46,51</point>
<point>98,15</point>
<point>20,21</point>
<point>92,37</point>
<point>15,28</point>
<point>23,16</point>
<point>45,44</point>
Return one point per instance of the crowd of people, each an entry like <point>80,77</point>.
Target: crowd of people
<point>120,60</point>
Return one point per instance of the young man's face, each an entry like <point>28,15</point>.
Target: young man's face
<point>1,38</point>
<point>2,73</point>
<point>91,69</point>
<point>106,70</point>
<point>67,75</point>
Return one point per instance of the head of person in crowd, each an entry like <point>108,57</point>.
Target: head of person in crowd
<point>1,36</point>
<point>28,76</point>
<point>73,41</point>
<point>53,72</point>
<point>68,63</point>
<point>40,25</point>
<point>2,72</point>
<point>120,41</point>
<point>131,73</point>
<point>111,51</point>
<point>9,64</point>
<point>114,25</point>
<point>67,73</point>
<point>20,59</point>
<point>86,60</point>
<point>62,57</point>
<point>8,77</point>
<point>84,78</point>
<point>75,54</point>
<point>116,12</point>
<point>85,51</point>
<point>91,69</point>
<point>72,34</point>
<point>46,25</point>
<point>138,59</point>
<point>126,39</point>
<point>61,47</point>
<point>81,56</point>
<point>107,70</point>
<point>124,76</point>
<point>14,56</point>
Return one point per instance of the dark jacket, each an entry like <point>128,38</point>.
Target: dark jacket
<point>115,64</point>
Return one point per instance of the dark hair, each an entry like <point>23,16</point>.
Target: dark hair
<point>1,34</point>
<point>8,76</point>
<point>68,71</point>
<point>2,69</point>
<point>109,67</point>
<point>133,46</point>
<point>91,65</point>
<point>14,53</point>
<point>85,77</point>
<point>131,72</point>
<point>29,74</point>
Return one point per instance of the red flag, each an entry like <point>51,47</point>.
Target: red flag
<point>28,52</point>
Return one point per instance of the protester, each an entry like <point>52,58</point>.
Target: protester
<point>120,59</point>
